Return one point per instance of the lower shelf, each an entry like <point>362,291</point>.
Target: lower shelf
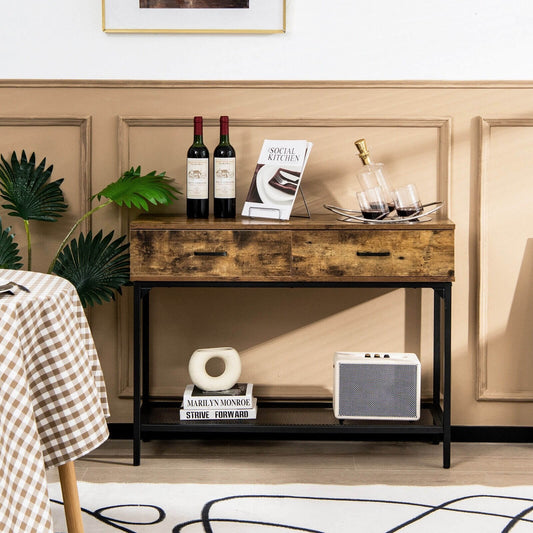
<point>287,420</point>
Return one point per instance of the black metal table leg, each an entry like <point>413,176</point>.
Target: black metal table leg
<point>145,391</point>
<point>437,357</point>
<point>136,375</point>
<point>446,415</point>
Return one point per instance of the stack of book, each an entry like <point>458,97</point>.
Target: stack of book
<point>236,403</point>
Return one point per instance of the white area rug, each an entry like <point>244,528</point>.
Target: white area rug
<point>154,508</point>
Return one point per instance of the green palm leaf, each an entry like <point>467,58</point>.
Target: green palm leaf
<point>9,250</point>
<point>97,266</point>
<point>27,190</point>
<point>132,189</point>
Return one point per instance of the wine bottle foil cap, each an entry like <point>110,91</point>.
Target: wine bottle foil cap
<point>198,126</point>
<point>224,125</point>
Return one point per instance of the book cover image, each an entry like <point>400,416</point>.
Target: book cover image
<point>276,179</point>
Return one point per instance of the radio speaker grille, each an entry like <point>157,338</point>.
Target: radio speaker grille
<point>378,391</point>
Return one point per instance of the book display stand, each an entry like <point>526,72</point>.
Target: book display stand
<point>259,211</point>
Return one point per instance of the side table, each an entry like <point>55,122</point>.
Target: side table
<point>53,403</point>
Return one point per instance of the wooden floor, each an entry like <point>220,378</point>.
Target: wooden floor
<point>344,463</point>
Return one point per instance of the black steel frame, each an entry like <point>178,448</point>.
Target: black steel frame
<point>438,431</point>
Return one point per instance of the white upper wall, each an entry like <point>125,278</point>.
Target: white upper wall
<point>325,40</point>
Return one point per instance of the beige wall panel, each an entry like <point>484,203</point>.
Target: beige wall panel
<point>427,133</point>
<point>417,151</point>
<point>279,352</point>
<point>65,143</point>
<point>506,261</point>
<point>286,338</point>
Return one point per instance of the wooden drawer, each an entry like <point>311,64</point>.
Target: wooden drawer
<point>380,255</point>
<point>209,254</point>
<point>173,248</point>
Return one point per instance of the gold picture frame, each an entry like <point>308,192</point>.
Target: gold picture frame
<point>193,16</point>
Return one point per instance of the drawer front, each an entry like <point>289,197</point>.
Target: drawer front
<point>209,255</point>
<point>327,255</point>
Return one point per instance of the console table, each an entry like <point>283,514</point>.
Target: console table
<point>173,251</point>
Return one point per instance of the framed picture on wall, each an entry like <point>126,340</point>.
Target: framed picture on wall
<point>193,16</point>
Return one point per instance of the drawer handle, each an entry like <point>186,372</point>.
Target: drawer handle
<point>373,254</point>
<point>217,254</point>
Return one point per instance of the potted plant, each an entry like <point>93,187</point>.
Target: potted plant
<point>97,265</point>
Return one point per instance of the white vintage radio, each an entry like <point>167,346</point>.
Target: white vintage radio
<point>376,386</point>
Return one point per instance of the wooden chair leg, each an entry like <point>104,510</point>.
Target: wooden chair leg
<point>71,499</point>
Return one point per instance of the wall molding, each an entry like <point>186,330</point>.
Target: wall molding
<point>483,391</point>
<point>269,84</point>
<point>85,126</point>
<point>126,123</point>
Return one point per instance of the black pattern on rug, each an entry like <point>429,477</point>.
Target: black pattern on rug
<point>207,520</point>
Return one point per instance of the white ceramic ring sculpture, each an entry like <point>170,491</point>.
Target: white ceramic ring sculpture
<point>226,380</point>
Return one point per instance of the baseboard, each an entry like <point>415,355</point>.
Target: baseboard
<point>492,433</point>
<point>119,431</point>
<point>459,434</point>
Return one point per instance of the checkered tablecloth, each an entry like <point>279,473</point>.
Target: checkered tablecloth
<point>53,401</point>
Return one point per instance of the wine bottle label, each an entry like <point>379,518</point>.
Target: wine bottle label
<point>197,178</point>
<point>224,170</point>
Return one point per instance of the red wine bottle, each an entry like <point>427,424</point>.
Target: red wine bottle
<point>198,174</point>
<point>224,174</point>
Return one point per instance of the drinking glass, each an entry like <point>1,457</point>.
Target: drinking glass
<point>372,203</point>
<point>407,201</point>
